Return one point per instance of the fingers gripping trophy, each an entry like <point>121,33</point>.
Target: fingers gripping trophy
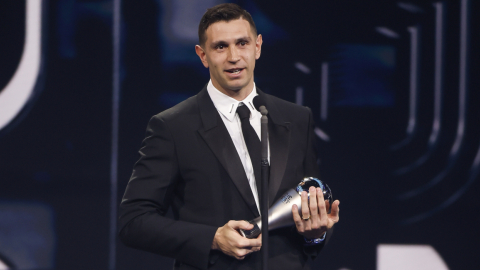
<point>280,214</point>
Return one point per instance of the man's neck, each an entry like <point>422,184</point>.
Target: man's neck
<point>239,95</point>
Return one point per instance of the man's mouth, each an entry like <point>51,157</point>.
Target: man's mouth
<point>234,71</point>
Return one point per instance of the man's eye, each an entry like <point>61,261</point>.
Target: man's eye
<point>220,47</point>
<point>243,43</point>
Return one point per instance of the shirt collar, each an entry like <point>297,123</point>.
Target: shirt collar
<point>226,105</point>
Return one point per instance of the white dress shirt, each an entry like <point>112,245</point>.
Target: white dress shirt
<point>227,108</point>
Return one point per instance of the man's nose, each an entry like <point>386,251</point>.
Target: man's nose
<point>233,55</point>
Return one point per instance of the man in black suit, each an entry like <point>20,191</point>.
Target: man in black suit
<point>194,159</point>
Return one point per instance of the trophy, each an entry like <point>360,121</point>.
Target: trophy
<point>280,214</point>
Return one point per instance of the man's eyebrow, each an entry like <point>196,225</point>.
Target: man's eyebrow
<point>224,43</point>
<point>247,38</point>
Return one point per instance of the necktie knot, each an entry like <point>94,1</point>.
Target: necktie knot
<point>243,112</point>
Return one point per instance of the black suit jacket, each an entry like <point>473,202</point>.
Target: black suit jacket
<point>189,162</point>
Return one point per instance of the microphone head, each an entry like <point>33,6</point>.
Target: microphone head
<point>258,101</point>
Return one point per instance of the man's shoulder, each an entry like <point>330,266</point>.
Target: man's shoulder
<point>286,108</point>
<point>284,103</point>
<point>183,106</point>
<point>186,108</point>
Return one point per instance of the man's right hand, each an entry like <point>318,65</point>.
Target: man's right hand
<point>228,240</point>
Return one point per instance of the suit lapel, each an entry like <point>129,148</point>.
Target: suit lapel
<point>279,139</point>
<point>218,139</point>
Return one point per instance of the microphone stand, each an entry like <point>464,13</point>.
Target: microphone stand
<point>264,192</point>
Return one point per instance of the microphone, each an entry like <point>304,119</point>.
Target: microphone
<point>259,104</point>
<point>280,214</point>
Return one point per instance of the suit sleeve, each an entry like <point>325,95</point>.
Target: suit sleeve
<point>142,222</point>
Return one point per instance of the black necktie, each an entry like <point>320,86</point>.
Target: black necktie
<point>253,142</point>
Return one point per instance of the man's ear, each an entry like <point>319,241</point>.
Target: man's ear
<point>201,53</point>
<point>258,46</point>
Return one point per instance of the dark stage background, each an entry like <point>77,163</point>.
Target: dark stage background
<point>394,87</point>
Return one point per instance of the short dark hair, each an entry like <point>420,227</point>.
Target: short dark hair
<point>223,12</point>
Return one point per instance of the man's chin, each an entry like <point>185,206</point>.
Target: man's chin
<point>233,88</point>
<point>236,87</point>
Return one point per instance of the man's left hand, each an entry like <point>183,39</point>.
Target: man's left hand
<point>315,220</point>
